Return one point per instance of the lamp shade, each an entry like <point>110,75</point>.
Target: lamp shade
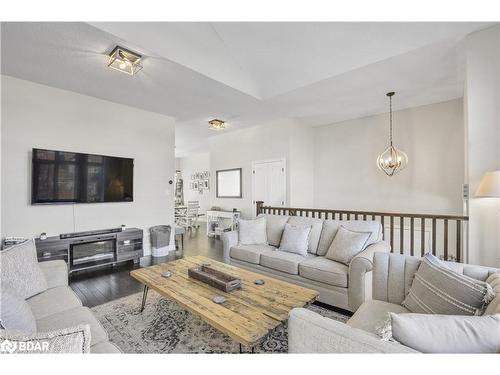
<point>489,187</point>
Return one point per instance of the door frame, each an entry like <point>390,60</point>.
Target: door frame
<point>282,159</point>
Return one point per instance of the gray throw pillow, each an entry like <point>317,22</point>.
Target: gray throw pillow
<point>66,340</point>
<point>15,313</point>
<point>252,232</point>
<point>295,239</point>
<point>346,245</point>
<point>432,333</point>
<point>436,289</point>
<point>19,268</point>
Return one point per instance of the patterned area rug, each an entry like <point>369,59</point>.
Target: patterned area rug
<point>164,327</point>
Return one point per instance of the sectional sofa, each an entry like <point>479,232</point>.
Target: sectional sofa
<point>393,274</point>
<point>57,307</point>
<point>340,285</point>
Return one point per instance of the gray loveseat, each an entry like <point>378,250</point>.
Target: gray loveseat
<point>309,332</point>
<point>59,307</point>
<point>343,286</point>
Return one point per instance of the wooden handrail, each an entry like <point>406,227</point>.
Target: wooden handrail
<point>438,241</point>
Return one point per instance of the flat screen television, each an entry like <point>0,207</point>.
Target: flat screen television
<point>71,177</point>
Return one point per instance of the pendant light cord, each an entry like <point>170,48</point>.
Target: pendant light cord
<point>390,118</point>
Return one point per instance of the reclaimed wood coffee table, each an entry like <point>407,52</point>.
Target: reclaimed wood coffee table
<point>247,315</point>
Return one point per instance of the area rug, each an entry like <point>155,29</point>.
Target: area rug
<point>164,327</point>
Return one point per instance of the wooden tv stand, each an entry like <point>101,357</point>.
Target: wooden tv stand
<point>86,250</point>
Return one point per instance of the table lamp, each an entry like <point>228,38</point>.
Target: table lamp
<point>489,187</point>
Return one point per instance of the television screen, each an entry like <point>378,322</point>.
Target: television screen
<point>69,177</point>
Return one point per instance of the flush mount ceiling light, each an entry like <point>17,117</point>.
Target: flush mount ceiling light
<point>216,124</point>
<point>391,160</point>
<point>125,61</point>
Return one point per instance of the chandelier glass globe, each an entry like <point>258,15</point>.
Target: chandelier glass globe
<point>392,160</point>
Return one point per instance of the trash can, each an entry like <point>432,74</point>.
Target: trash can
<point>160,239</point>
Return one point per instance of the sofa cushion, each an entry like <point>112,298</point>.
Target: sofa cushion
<point>330,228</point>
<point>295,239</point>
<point>53,301</point>
<point>275,225</point>
<point>436,289</point>
<point>55,272</point>
<point>15,313</point>
<point>325,271</point>
<point>252,232</point>
<point>373,314</point>
<point>105,347</point>
<point>19,268</point>
<point>73,317</point>
<point>67,340</point>
<point>346,245</point>
<point>316,228</point>
<point>282,261</point>
<point>433,333</point>
<point>250,253</point>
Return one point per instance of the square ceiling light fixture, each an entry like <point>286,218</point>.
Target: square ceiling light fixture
<point>125,61</point>
<point>216,124</point>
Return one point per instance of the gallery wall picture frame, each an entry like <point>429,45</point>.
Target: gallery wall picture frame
<point>228,183</point>
<point>200,181</point>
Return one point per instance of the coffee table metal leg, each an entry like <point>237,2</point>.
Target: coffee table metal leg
<point>144,296</point>
<point>241,349</point>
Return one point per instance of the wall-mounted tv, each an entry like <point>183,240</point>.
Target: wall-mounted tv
<point>70,177</point>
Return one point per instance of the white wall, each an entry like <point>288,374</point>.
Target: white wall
<point>239,149</point>
<point>43,117</point>
<point>301,166</point>
<point>346,175</point>
<point>188,166</point>
<point>483,147</point>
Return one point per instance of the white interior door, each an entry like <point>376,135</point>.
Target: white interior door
<point>269,183</point>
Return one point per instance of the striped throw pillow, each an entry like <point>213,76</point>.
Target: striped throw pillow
<point>494,306</point>
<point>436,289</point>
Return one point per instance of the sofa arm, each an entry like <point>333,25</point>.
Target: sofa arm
<point>229,239</point>
<point>360,276</point>
<point>309,332</point>
<point>56,272</point>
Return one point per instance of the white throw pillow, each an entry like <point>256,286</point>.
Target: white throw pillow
<point>252,232</point>
<point>295,239</point>
<point>15,313</point>
<point>66,340</point>
<point>346,245</point>
<point>20,270</point>
<point>433,333</point>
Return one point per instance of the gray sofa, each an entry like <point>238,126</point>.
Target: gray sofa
<point>309,332</point>
<point>59,307</point>
<point>343,286</point>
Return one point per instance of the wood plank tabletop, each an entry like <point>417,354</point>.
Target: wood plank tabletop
<point>247,315</point>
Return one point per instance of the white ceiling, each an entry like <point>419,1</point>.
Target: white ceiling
<point>246,73</point>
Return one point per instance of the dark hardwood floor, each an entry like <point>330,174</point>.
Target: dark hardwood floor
<point>109,283</point>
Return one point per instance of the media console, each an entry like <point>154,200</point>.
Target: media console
<point>85,250</point>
